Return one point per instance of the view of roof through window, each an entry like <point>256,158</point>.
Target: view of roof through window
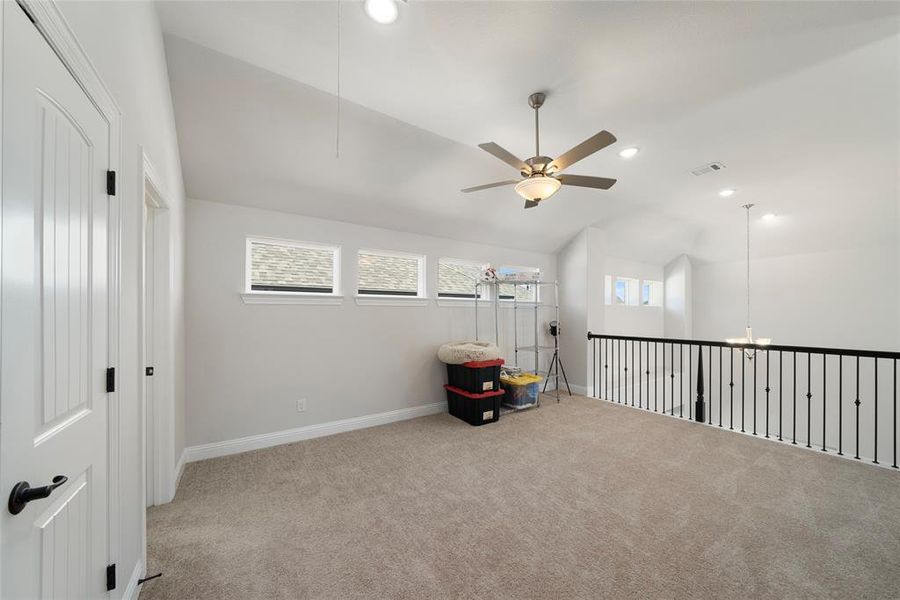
<point>456,279</point>
<point>291,268</point>
<point>387,274</point>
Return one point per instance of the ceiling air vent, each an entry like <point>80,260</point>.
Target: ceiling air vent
<point>710,168</point>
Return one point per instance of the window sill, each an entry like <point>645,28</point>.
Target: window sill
<point>461,302</point>
<point>290,298</point>
<point>379,300</point>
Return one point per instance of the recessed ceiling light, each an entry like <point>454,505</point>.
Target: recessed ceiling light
<point>770,216</point>
<point>629,152</point>
<point>727,192</point>
<point>382,11</point>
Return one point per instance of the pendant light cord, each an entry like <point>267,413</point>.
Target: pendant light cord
<point>337,134</point>
<point>748,207</point>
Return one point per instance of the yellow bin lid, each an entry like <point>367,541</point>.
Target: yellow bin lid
<point>521,379</point>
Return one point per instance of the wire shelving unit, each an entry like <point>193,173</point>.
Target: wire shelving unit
<point>521,310</point>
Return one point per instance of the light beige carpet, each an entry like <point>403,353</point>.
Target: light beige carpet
<point>579,500</point>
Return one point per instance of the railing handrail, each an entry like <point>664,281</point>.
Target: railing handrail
<point>767,347</point>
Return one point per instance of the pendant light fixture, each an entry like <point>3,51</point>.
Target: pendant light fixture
<point>748,333</point>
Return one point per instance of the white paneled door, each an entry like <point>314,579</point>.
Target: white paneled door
<point>54,322</point>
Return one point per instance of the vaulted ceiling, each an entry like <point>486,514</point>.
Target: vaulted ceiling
<point>799,100</point>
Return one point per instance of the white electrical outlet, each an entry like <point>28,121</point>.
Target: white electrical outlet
<point>301,405</point>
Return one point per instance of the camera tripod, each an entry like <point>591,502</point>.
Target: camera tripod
<point>558,361</point>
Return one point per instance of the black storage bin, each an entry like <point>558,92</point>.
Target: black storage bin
<point>474,409</point>
<point>475,377</point>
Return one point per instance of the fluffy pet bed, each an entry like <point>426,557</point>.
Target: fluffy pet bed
<point>457,353</point>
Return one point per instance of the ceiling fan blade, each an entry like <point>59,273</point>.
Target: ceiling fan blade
<point>582,150</point>
<point>530,204</point>
<point>506,156</point>
<point>489,185</point>
<point>601,183</point>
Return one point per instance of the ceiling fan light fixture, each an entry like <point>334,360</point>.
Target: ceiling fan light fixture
<point>538,187</point>
<point>382,11</point>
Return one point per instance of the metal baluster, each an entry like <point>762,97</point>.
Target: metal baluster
<point>857,403</point>
<point>647,373</point>
<point>690,372</point>
<point>617,364</point>
<point>594,359</point>
<point>632,372</point>
<point>664,379</point>
<point>840,404</point>
<point>640,374</point>
<point>767,393</point>
<point>794,419</point>
<point>655,374</point>
<point>754,390</point>
<point>780,390</point>
<point>672,378</point>
<point>824,398</point>
<point>894,464</point>
<point>720,386</point>
<point>709,410</point>
<point>743,390</point>
<point>681,379</point>
<point>606,369</point>
<point>875,441</point>
<point>731,388</point>
<point>808,398</point>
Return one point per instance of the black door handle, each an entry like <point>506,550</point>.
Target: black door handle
<point>22,493</point>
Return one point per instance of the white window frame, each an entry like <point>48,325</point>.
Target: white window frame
<point>537,288</point>
<point>632,293</point>
<point>661,293</point>
<point>420,299</point>
<point>251,296</point>
<point>455,301</point>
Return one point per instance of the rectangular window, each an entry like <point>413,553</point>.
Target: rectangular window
<point>626,291</point>
<point>391,274</point>
<point>457,278</point>
<point>295,267</point>
<point>651,293</point>
<point>523,293</point>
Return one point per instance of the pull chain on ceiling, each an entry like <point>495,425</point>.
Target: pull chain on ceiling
<point>337,133</point>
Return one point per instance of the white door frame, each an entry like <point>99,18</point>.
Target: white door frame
<point>50,22</point>
<point>157,401</point>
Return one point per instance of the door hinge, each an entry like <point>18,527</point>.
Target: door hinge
<point>148,371</point>
<point>110,380</point>
<point>111,577</point>
<point>110,183</point>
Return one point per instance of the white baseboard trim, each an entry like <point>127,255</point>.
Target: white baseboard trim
<point>288,436</point>
<point>576,389</point>
<point>131,591</point>
<point>179,471</point>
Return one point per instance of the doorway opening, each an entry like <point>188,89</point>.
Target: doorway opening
<point>156,363</point>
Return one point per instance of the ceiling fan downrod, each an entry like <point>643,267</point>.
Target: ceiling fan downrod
<point>536,101</point>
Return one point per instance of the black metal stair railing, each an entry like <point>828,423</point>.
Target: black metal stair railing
<point>825,380</point>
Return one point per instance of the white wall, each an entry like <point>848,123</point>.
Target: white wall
<point>678,298</point>
<point>572,266</point>
<point>583,265</point>
<point>845,299</point>
<point>641,321</point>
<point>124,41</point>
<point>249,364</point>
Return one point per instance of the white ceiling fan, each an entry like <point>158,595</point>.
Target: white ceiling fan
<point>541,176</point>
